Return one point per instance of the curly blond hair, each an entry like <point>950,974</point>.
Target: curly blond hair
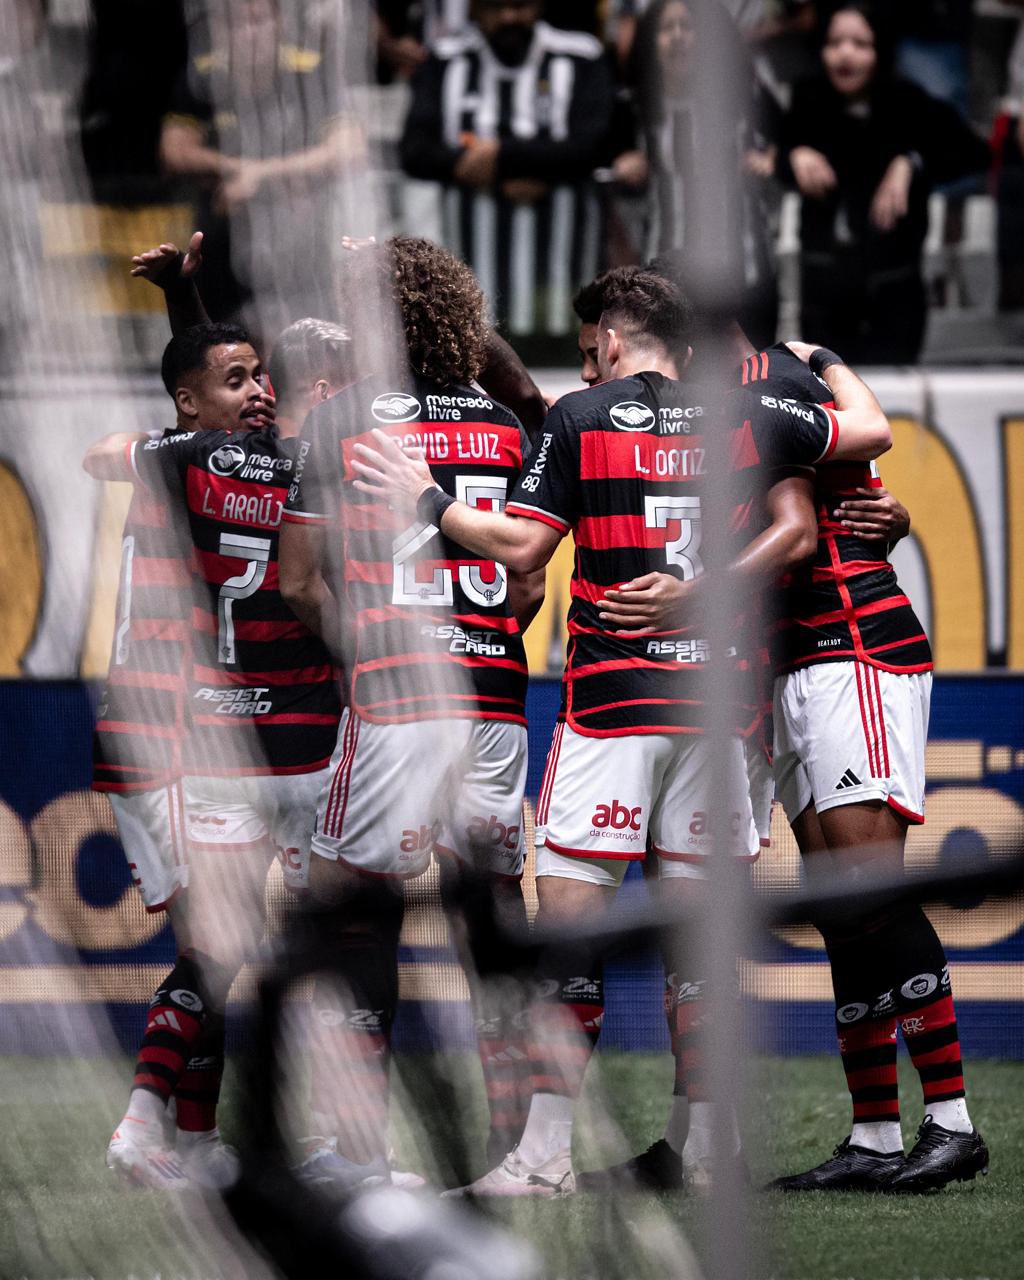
<point>442,309</point>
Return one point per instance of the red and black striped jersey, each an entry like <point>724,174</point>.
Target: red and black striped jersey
<point>623,465</point>
<point>264,694</point>
<point>847,605</point>
<point>140,722</point>
<point>434,633</point>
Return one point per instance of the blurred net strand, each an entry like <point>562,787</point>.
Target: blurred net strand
<point>638,923</point>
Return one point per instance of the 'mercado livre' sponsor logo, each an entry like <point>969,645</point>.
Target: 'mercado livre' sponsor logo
<point>395,406</point>
<point>631,415</point>
<point>227,459</point>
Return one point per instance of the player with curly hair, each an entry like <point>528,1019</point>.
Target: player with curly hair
<point>431,753</point>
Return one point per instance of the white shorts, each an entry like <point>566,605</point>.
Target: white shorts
<point>152,829</point>
<point>396,793</point>
<point>604,798</point>
<point>761,780</point>
<point>847,732</point>
<point>237,813</point>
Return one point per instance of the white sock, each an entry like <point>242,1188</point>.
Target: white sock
<point>144,1120</point>
<point>548,1131</point>
<point>883,1136</point>
<point>700,1140</point>
<point>677,1126</point>
<point>951,1115</point>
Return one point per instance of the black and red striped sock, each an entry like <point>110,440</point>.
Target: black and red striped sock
<point>198,1089</point>
<point>173,1027</point>
<point>504,1058</point>
<point>351,1055</point>
<point>354,1010</point>
<point>932,1040</point>
<point>688,1041</point>
<point>566,1023</point>
<point>923,1000</point>
<point>868,1051</point>
<point>866,1031</point>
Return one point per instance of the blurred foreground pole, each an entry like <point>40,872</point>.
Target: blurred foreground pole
<point>714,280</point>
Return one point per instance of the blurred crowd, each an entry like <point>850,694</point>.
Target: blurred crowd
<point>545,142</point>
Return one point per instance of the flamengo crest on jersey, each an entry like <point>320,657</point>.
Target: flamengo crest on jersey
<point>846,605</point>
<point>139,728</point>
<point>623,466</point>
<point>434,631</point>
<point>263,695</point>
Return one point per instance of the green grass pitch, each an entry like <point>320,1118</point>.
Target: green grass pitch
<point>63,1216</point>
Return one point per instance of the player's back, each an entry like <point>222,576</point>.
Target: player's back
<point>829,610</point>
<point>435,635</point>
<point>139,729</point>
<point>264,691</point>
<point>623,464</point>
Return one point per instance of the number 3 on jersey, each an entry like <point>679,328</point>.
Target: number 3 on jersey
<point>486,492</point>
<point>256,553</point>
<point>683,551</point>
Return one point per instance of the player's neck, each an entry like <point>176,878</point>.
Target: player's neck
<point>630,363</point>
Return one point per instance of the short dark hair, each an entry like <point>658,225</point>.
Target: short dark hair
<point>589,302</point>
<point>186,352</point>
<point>442,307</point>
<point>308,350</point>
<point>644,303</point>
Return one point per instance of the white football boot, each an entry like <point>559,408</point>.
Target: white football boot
<point>208,1161</point>
<point>514,1177</point>
<point>137,1153</point>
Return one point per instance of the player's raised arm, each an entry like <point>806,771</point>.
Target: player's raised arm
<point>405,482</point>
<point>175,273</point>
<point>861,429</point>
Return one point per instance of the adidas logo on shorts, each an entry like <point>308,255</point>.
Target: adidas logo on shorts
<point>849,779</point>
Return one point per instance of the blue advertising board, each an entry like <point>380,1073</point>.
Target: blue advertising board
<point>73,933</point>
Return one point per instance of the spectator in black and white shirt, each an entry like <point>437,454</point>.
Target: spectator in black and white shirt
<point>512,117</point>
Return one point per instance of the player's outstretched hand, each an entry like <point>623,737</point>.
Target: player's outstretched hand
<point>166,263</point>
<point>397,475</point>
<point>653,602</point>
<point>874,514</point>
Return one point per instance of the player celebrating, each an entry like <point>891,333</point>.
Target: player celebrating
<point>851,722</point>
<point>628,760</point>
<point>431,754</point>
<point>263,697</point>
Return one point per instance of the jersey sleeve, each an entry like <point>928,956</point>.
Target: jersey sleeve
<point>162,464</point>
<point>309,497</point>
<point>792,432</point>
<point>549,487</point>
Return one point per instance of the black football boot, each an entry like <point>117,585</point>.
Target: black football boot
<point>659,1168</point>
<point>940,1156</point>
<point>850,1169</point>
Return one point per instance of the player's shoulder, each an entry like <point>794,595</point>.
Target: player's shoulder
<point>590,407</point>
<point>635,403</point>
<point>171,439</point>
<point>574,44</point>
<point>776,373</point>
<point>456,402</point>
